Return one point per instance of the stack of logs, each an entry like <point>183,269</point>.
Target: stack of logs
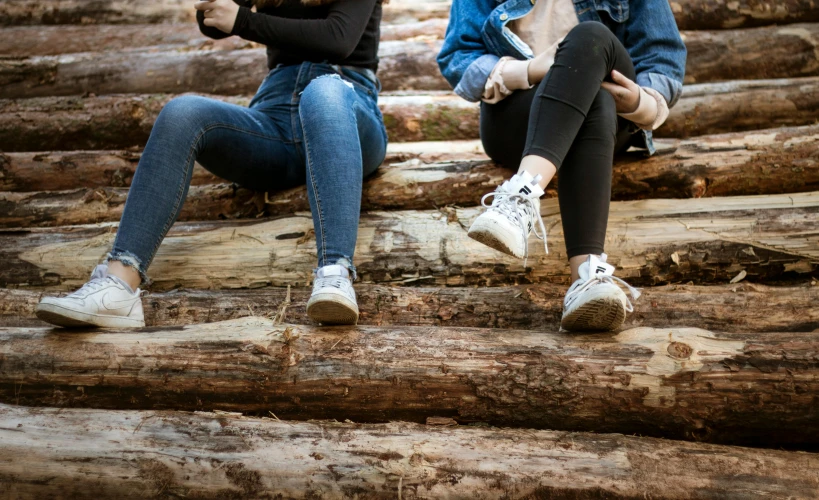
<point>231,393</point>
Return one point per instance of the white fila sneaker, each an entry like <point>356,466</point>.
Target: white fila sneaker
<point>333,299</point>
<point>595,302</point>
<point>104,301</point>
<point>510,219</point>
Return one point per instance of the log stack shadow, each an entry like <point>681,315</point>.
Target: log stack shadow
<point>232,393</point>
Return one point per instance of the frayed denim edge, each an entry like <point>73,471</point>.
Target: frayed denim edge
<point>345,262</point>
<point>129,260</point>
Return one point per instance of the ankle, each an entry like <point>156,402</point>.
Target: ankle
<point>127,274</point>
<point>537,165</point>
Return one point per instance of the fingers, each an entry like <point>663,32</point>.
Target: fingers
<point>621,79</point>
<point>203,5</point>
<point>209,22</point>
<point>617,91</point>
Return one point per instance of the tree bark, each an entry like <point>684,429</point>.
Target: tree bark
<point>111,122</point>
<point>752,54</point>
<point>27,41</point>
<point>771,238</point>
<point>134,454</point>
<point>726,308</point>
<point>768,162</point>
<point>404,65</point>
<point>726,14</point>
<point>25,12</point>
<point>771,52</point>
<point>685,383</point>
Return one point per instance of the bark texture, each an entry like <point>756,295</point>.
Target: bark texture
<point>727,14</point>
<point>682,383</point>
<point>404,65</point>
<point>110,122</point>
<point>24,12</point>
<point>771,238</point>
<point>726,308</point>
<point>762,162</point>
<point>28,41</point>
<point>770,52</point>
<point>206,455</point>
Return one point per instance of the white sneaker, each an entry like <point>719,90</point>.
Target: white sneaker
<point>333,299</point>
<point>595,302</point>
<point>104,301</point>
<point>510,219</point>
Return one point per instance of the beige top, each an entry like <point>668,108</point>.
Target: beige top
<point>542,29</point>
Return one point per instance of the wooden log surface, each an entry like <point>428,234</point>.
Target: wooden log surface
<point>121,121</point>
<point>26,41</point>
<point>769,52</point>
<point>689,14</point>
<point>206,455</point>
<point>762,162</point>
<point>404,65</point>
<point>771,238</point>
<point>727,308</point>
<point>686,383</point>
<point>48,12</point>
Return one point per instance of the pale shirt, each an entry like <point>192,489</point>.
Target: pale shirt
<point>542,29</point>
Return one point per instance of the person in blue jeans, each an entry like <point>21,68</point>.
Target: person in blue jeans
<point>313,120</point>
<point>564,84</point>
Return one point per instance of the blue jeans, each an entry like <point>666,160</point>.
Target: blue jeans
<point>310,123</point>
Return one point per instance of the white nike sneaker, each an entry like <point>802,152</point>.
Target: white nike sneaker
<point>510,219</point>
<point>104,301</point>
<point>595,302</point>
<point>333,299</point>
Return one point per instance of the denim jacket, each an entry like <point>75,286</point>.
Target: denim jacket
<point>478,36</point>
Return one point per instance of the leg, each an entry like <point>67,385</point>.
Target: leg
<point>344,141</point>
<point>583,61</point>
<point>240,144</point>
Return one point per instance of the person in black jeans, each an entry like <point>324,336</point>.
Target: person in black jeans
<point>569,107</point>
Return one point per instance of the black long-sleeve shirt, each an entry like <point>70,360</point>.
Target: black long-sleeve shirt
<point>343,32</point>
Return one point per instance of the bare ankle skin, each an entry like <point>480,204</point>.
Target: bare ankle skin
<point>575,262</point>
<point>125,273</point>
<point>538,165</point>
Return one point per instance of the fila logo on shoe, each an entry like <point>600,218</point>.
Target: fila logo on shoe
<point>600,270</point>
<point>525,190</point>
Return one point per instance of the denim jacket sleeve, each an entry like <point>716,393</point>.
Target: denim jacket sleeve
<point>656,47</point>
<point>464,59</point>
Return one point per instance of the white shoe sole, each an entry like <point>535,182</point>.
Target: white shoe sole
<point>490,234</point>
<point>69,318</point>
<point>601,314</point>
<point>332,309</point>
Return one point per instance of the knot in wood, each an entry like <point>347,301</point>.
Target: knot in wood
<point>679,350</point>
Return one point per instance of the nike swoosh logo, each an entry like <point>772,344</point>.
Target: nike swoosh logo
<point>120,304</point>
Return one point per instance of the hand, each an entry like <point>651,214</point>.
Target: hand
<point>220,14</point>
<point>539,66</point>
<point>626,93</point>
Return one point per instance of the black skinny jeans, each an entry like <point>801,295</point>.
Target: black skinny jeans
<point>572,122</point>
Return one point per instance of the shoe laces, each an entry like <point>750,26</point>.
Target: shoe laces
<point>579,288</point>
<point>90,287</point>
<point>340,282</point>
<point>521,210</point>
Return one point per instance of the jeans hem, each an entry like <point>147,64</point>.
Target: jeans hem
<point>128,259</point>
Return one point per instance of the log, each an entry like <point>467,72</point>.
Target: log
<point>771,52</point>
<point>741,105</point>
<point>727,308</point>
<point>726,14</point>
<point>132,454</point>
<point>27,41</point>
<point>686,383</point>
<point>767,162</point>
<point>23,12</point>
<point>752,54</point>
<point>121,121</point>
<point>771,238</point>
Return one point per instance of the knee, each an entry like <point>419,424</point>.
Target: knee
<point>184,114</point>
<point>325,96</point>
<point>590,32</point>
